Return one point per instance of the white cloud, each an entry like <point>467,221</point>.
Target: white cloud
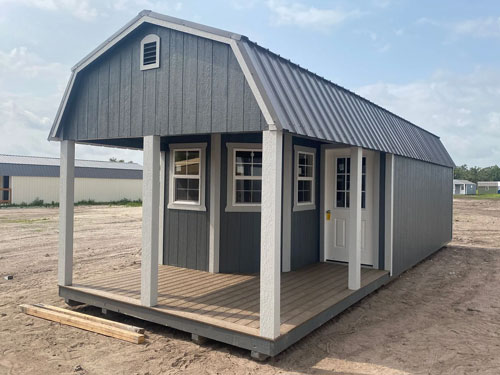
<point>30,91</point>
<point>78,8</point>
<point>479,27</point>
<point>460,108</point>
<point>488,27</point>
<point>298,14</point>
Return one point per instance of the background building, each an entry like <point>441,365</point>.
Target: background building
<point>488,187</point>
<point>27,178</point>
<point>464,187</point>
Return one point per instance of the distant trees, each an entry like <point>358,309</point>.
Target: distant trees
<point>476,174</point>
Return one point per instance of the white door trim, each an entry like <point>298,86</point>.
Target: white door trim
<point>327,202</point>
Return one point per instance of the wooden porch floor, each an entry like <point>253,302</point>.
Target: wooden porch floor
<point>231,301</point>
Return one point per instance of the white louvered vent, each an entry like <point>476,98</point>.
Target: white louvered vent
<point>150,52</point>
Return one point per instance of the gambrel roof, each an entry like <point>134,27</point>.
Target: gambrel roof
<point>294,99</point>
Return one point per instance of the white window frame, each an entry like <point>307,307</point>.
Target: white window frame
<point>150,39</point>
<point>304,206</point>
<point>231,205</point>
<point>183,205</point>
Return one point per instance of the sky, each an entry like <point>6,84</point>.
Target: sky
<point>435,63</point>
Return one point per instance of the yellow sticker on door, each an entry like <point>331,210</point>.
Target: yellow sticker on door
<point>328,215</point>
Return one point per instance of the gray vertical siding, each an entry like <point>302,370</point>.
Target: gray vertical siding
<point>239,231</point>
<point>423,207</point>
<point>186,233</point>
<point>305,224</point>
<point>199,88</point>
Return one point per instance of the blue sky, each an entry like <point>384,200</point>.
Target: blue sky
<point>436,63</point>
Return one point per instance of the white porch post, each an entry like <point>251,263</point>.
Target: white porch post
<point>66,212</point>
<point>355,220</point>
<point>389,210</point>
<point>215,165</point>
<point>270,242</point>
<point>150,219</point>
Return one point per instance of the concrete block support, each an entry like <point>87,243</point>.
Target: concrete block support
<point>270,243</point>
<point>66,213</point>
<point>354,240</point>
<point>150,220</point>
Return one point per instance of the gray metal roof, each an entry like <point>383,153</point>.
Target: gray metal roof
<point>307,104</point>
<point>466,182</point>
<point>14,165</point>
<point>304,103</point>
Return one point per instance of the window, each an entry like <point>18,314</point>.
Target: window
<point>344,182</point>
<point>187,181</point>
<point>150,52</point>
<point>244,182</point>
<point>304,185</point>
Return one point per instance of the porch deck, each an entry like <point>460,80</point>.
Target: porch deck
<point>230,302</point>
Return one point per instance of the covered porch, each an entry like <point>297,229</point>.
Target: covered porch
<point>225,307</point>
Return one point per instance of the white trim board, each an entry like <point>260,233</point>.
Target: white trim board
<point>215,166</point>
<point>178,25</point>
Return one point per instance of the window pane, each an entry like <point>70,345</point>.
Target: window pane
<point>363,165</point>
<point>257,170</point>
<point>300,196</point>
<point>309,171</point>
<point>256,197</point>
<point>363,200</point>
<point>193,169</point>
<point>307,196</point>
<point>247,197</point>
<point>239,197</point>
<point>257,157</point>
<point>347,199</point>
<point>181,183</point>
<point>302,158</point>
<point>340,199</point>
<point>341,182</point>
<point>243,169</point>
<point>243,156</point>
<point>180,156</point>
<point>302,170</point>
<point>341,165</point>
<point>363,182</point>
<point>193,183</point>
<point>180,168</point>
<point>192,195</point>
<point>257,185</point>
<point>348,165</point>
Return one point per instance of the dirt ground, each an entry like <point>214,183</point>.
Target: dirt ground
<point>441,317</point>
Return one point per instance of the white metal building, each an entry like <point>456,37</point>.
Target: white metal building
<point>488,187</point>
<point>26,178</point>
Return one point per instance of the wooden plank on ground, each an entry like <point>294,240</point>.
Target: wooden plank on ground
<point>126,327</point>
<point>88,325</point>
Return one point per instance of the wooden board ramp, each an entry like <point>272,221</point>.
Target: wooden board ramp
<point>86,322</point>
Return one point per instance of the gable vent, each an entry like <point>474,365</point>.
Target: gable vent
<point>150,52</point>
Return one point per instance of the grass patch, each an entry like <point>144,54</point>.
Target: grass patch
<point>40,203</point>
<point>478,196</point>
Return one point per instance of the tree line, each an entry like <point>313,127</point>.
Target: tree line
<point>476,174</point>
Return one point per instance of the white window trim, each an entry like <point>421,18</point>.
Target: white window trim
<point>172,204</point>
<point>150,39</point>
<point>231,205</point>
<point>305,206</point>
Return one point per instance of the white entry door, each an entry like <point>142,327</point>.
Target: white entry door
<point>337,203</point>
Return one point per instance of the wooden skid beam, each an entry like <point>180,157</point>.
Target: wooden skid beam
<point>85,324</point>
<point>126,327</point>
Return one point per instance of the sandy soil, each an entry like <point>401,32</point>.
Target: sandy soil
<point>441,317</point>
